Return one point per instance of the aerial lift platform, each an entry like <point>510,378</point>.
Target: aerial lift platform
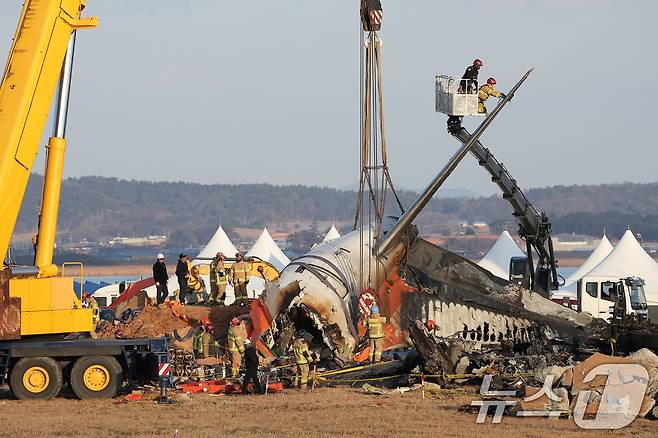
<point>453,100</point>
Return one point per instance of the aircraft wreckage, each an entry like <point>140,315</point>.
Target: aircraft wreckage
<point>320,292</point>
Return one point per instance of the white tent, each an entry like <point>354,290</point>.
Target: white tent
<point>602,250</point>
<point>219,243</point>
<point>332,234</point>
<point>630,259</point>
<point>266,249</point>
<point>496,260</point>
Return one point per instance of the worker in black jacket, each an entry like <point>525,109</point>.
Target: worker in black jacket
<point>469,82</point>
<point>251,366</point>
<point>161,277</point>
<point>182,272</point>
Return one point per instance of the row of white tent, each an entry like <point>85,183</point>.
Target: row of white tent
<point>626,259</point>
<point>264,248</point>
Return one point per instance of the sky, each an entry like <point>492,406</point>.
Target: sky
<point>215,91</point>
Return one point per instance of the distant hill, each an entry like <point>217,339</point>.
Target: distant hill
<point>98,208</point>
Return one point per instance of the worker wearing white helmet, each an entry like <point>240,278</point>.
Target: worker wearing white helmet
<point>160,276</point>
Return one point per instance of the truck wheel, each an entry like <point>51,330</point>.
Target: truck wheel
<point>96,377</point>
<point>36,378</point>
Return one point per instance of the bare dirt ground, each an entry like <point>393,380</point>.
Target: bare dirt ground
<point>325,412</point>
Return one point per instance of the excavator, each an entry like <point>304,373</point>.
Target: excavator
<point>44,329</point>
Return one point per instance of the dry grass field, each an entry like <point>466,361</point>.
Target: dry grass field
<point>323,413</point>
<point>120,270</point>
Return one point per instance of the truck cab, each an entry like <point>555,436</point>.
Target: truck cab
<point>608,297</point>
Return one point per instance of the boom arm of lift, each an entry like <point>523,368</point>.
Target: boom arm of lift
<point>534,227</point>
<point>403,223</point>
<point>40,57</point>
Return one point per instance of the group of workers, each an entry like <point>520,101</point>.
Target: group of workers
<point>240,348</point>
<point>469,84</point>
<point>192,288</point>
<point>205,345</point>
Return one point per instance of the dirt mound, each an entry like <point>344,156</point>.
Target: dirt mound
<point>151,322</point>
<point>154,322</point>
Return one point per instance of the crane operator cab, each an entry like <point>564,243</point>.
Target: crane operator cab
<point>520,274</point>
<point>457,98</point>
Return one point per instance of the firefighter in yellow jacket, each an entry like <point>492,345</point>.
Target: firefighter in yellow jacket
<point>375,334</point>
<point>240,279</point>
<point>218,280</point>
<point>204,343</point>
<point>487,90</point>
<point>195,286</point>
<point>235,346</point>
<point>302,358</point>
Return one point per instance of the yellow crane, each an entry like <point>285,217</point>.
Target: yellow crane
<point>38,305</point>
<point>40,59</point>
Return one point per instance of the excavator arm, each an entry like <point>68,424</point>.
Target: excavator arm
<point>534,227</point>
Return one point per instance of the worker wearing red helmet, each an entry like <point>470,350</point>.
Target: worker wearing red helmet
<point>204,342</point>
<point>431,325</point>
<point>487,90</point>
<point>469,82</point>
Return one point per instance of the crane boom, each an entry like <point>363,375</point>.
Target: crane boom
<point>35,300</point>
<point>28,86</point>
<point>534,227</point>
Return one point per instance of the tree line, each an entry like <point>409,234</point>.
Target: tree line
<point>99,207</point>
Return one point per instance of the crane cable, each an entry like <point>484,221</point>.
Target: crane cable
<point>373,157</point>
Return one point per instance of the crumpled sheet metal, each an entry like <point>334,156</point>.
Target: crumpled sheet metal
<point>456,281</point>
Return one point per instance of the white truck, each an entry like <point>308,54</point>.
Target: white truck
<point>608,297</point>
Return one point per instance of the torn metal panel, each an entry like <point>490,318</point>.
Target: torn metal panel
<point>457,283</point>
<point>327,285</point>
<point>469,322</point>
